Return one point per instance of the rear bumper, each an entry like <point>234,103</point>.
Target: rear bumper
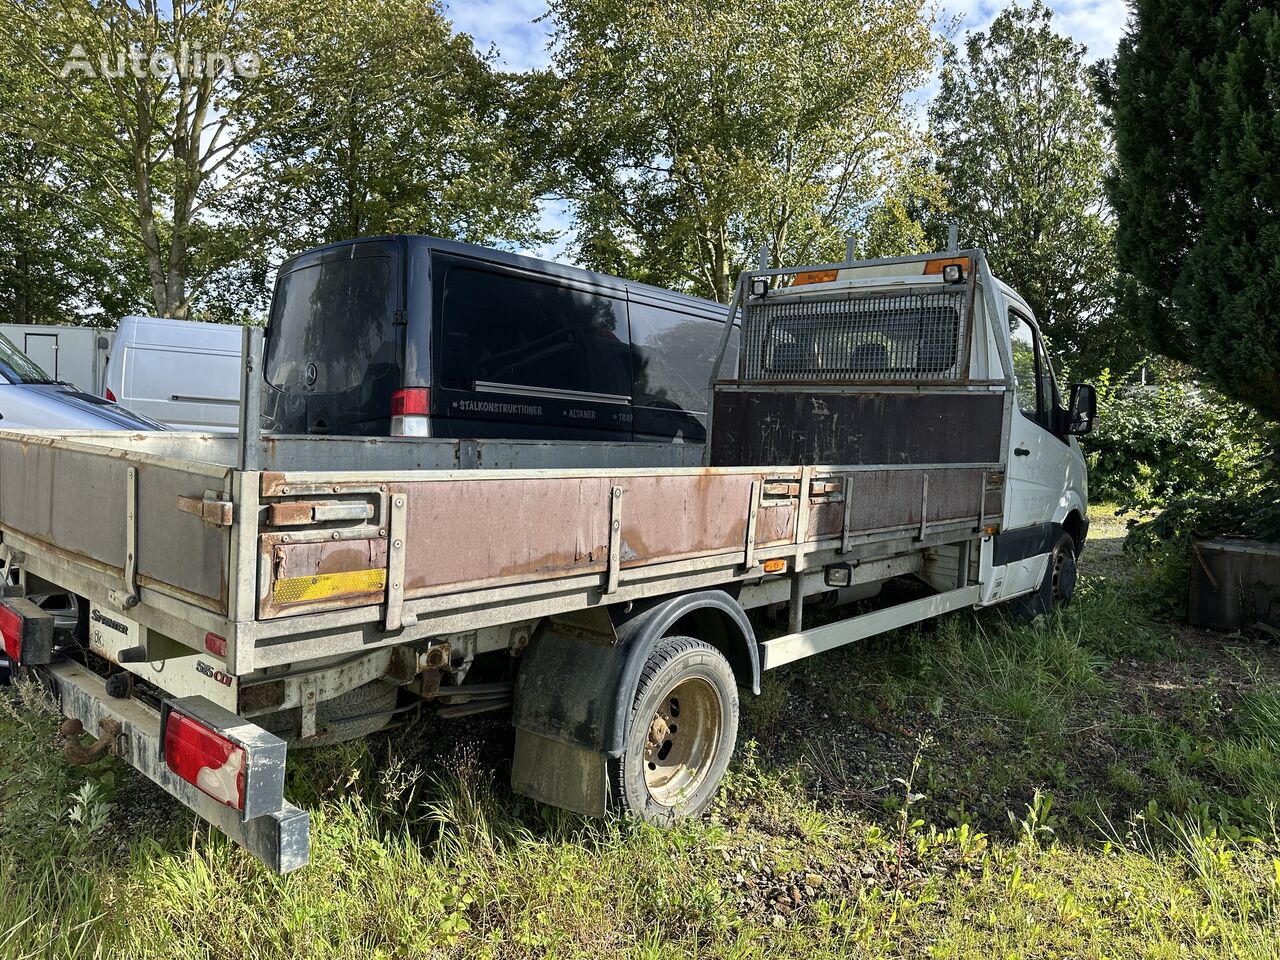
<point>282,840</point>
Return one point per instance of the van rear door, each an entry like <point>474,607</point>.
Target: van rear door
<point>336,339</point>
<point>522,356</point>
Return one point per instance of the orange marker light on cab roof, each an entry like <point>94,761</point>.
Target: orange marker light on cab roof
<point>934,267</point>
<point>815,276</point>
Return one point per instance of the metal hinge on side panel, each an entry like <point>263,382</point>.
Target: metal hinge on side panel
<point>398,527</point>
<point>211,508</point>
<point>615,541</point>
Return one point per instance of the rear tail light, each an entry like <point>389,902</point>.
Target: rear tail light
<point>27,632</point>
<point>215,644</point>
<point>207,760</point>
<point>411,402</point>
<point>111,396</point>
<point>227,758</point>
<point>410,412</point>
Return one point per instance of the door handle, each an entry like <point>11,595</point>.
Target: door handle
<point>1021,452</point>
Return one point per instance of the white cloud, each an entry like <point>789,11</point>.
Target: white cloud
<point>507,24</point>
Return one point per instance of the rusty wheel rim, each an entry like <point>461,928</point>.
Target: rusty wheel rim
<point>682,741</point>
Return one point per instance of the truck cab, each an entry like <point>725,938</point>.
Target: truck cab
<point>934,365</point>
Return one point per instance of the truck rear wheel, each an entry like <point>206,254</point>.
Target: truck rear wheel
<point>681,733</point>
<point>1059,583</point>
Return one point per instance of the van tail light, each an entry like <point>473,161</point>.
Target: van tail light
<point>410,412</point>
<point>411,402</point>
<point>27,631</point>
<point>225,757</point>
<point>111,396</point>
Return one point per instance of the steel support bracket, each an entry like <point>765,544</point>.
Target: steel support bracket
<point>398,529</point>
<point>846,524</point>
<point>131,535</point>
<point>749,551</point>
<point>615,541</point>
<point>924,505</point>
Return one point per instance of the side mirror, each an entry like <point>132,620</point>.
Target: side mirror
<point>1083,409</point>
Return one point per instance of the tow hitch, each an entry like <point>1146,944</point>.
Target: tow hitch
<point>77,753</point>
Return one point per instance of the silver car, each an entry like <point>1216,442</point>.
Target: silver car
<point>31,399</point>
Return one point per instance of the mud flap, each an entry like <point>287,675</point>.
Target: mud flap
<point>577,685</point>
<point>561,774</point>
<point>564,712</point>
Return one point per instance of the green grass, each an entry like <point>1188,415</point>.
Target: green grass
<point>1096,784</point>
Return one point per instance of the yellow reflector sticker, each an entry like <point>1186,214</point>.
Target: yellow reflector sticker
<point>325,586</point>
<point>774,566</point>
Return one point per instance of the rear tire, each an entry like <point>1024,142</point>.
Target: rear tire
<point>349,716</point>
<point>680,735</point>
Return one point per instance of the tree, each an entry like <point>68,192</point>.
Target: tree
<point>1023,151</point>
<point>1193,92</point>
<point>230,131</point>
<point>57,262</point>
<point>151,100</point>
<point>406,127</point>
<point>696,132</point>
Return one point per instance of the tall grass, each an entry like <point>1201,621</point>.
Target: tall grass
<point>422,853</point>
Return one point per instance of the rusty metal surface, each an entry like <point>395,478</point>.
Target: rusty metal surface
<point>73,497</point>
<point>788,426</point>
<point>285,557</point>
<point>477,533</point>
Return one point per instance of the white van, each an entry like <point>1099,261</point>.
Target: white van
<point>180,372</point>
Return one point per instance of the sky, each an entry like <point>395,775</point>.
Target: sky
<point>510,24</point>
<point>512,28</point>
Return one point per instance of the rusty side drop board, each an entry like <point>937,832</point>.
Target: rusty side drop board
<point>482,531</point>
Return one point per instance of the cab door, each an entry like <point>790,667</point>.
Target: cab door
<point>1039,463</point>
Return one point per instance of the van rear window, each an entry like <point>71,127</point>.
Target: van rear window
<point>502,329</point>
<point>332,327</point>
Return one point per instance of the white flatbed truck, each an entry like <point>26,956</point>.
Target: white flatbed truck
<point>228,598</point>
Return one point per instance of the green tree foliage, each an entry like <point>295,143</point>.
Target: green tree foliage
<point>164,143</point>
<point>1193,92</point>
<point>1023,151</point>
<point>406,128</point>
<point>1160,441</point>
<point>59,258</point>
<point>317,123</point>
<point>696,132</point>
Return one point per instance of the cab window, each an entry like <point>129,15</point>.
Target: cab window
<point>1033,379</point>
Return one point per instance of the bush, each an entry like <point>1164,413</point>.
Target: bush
<point>1171,439</point>
<point>1248,508</point>
<point>1189,464</point>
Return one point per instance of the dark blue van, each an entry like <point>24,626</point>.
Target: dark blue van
<point>414,336</point>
